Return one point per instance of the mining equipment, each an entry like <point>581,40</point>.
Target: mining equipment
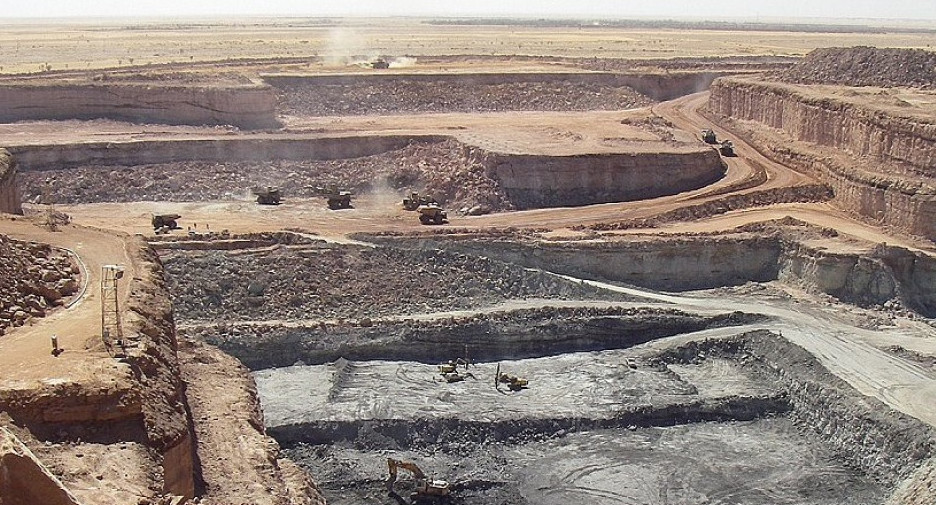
<point>163,223</point>
<point>431,214</point>
<point>415,200</point>
<point>380,64</point>
<point>726,148</point>
<point>449,370</point>
<point>426,489</point>
<point>708,136</point>
<point>267,196</point>
<point>513,382</point>
<point>336,198</point>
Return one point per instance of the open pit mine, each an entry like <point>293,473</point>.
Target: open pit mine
<point>613,310</point>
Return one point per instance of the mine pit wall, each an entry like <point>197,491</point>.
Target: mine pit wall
<point>867,279</point>
<point>9,193</point>
<point>245,106</point>
<point>675,265</point>
<point>529,334</point>
<point>548,181</point>
<point>48,157</point>
<point>164,407</point>
<point>426,433</point>
<point>658,86</point>
<point>882,443</point>
<point>863,132</point>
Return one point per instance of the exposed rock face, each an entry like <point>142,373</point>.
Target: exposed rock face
<point>672,265</point>
<point>881,442</point>
<point>245,106</point>
<point>546,181</point>
<point>492,336</point>
<point>24,480</point>
<point>9,194</point>
<point>238,462</point>
<point>868,279</point>
<point>156,367</point>
<point>886,170</point>
<point>34,278</point>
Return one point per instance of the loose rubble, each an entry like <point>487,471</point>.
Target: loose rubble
<point>398,96</point>
<point>34,278</point>
<point>348,282</point>
<point>865,66</point>
<point>458,176</point>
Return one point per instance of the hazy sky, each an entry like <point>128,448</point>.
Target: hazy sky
<point>712,9</point>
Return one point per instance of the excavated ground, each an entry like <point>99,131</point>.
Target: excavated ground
<point>609,426</point>
<point>623,405</point>
<point>618,407</point>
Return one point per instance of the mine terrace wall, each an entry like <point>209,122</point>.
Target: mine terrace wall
<point>244,106</point>
<point>868,279</point>
<point>874,135</point>
<point>37,158</point>
<point>658,86</point>
<point>548,181</point>
<point>871,437</point>
<point>9,194</point>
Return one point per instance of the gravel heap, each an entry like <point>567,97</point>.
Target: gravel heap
<point>457,175</point>
<point>865,66</point>
<point>329,282</point>
<point>417,96</point>
<point>33,278</point>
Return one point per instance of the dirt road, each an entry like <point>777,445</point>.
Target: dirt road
<point>25,352</point>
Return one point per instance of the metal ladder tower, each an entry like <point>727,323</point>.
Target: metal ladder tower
<point>111,328</point>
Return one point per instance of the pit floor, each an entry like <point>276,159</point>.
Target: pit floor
<point>759,462</point>
<point>584,384</point>
<point>765,461</point>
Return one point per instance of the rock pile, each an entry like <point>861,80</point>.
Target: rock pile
<point>329,282</point>
<point>865,66</point>
<point>33,278</point>
<point>418,96</point>
<point>458,176</point>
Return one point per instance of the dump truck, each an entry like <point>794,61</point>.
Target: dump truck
<point>431,214</point>
<point>267,196</point>
<point>339,200</point>
<point>163,223</point>
<point>414,200</point>
<point>334,197</point>
<point>726,148</point>
<point>425,489</point>
<point>380,64</point>
<point>708,136</point>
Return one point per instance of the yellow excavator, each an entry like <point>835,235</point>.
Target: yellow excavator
<point>426,489</point>
<point>513,382</point>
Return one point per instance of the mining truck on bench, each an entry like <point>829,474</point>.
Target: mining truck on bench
<point>163,223</point>
<point>708,136</point>
<point>431,214</point>
<point>413,201</point>
<point>726,148</point>
<point>267,196</point>
<point>338,199</point>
